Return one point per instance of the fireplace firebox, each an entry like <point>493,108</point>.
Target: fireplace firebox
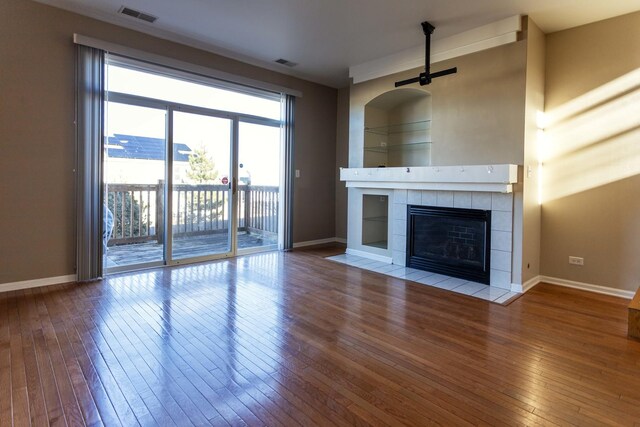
<point>450,241</point>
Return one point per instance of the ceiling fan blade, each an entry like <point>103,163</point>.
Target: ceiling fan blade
<point>408,81</point>
<point>444,72</point>
<point>424,79</point>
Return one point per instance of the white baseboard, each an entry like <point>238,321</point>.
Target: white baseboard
<point>530,283</point>
<point>364,254</point>
<point>36,283</point>
<point>319,242</point>
<point>588,287</point>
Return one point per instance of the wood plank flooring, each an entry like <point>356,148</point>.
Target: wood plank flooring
<point>285,339</point>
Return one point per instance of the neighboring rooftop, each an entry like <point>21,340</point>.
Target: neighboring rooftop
<point>143,147</point>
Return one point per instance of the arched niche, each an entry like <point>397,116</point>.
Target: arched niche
<point>398,129</point>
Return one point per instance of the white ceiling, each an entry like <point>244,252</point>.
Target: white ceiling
<point>326,37</point>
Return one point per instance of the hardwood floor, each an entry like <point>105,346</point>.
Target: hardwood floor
<point>292,339</point>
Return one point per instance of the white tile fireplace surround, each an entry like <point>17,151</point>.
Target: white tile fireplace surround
<point>485,187</point>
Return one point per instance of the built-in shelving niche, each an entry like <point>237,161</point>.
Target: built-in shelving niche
<point>398,129</point>
<point>375,221</point>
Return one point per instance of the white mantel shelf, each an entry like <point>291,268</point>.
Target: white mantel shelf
<point>489,178</point>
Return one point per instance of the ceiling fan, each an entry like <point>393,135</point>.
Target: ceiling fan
<point>425,78</point>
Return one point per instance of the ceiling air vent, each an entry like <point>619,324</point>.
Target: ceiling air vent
<point>286,62</point>
<point>137,14</point>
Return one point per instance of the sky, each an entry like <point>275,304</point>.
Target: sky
<point>259,145</point>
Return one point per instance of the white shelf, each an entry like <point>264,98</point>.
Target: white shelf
<point>386,148</point>
<point>488,178</point>
<point>383,244</point>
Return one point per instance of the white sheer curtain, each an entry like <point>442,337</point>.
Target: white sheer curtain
<point>89,134</point>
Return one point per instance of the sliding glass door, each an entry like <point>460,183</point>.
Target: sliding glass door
<point>202,198</point>
<point>192,171</point>
<point>134,175</point>
<point>259,176</point>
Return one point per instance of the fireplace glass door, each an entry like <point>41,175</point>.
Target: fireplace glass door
<point>450,241</point>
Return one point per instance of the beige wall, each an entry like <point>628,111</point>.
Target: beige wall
<point>478,112</point>
<point>591,176</point>
<point>37,136</point>
<point>534,105</point>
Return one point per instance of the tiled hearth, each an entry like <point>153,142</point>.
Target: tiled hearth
<point>461,286</point>
<point>500,205</point>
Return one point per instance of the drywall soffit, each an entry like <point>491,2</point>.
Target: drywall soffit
<point>481,38</point>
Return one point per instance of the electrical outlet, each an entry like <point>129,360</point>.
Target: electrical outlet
<point>576,260</point>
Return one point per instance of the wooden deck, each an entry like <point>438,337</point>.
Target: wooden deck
<point>183,247</point>
<point>286,339</point>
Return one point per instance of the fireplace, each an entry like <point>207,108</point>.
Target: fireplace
<point>450,241</point>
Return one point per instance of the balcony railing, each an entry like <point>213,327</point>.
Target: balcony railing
<point>138,209</point>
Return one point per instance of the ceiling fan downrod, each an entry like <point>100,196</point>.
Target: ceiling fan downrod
<point>425,77</point>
